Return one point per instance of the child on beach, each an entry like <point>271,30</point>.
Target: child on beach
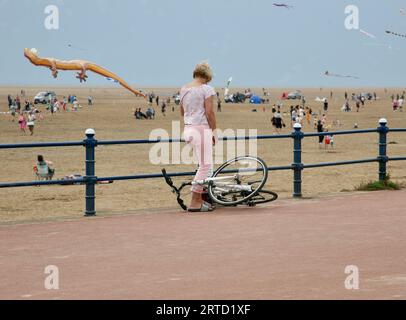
<point>22,122</point>
<point>329,141</point>
<point>31,122</point>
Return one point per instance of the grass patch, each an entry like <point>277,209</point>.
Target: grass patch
<point>387,184</point>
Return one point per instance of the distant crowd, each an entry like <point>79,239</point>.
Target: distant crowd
<point>28,112</point>
<point>162,103</point>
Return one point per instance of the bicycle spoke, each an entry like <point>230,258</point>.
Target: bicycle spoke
<point>246,175</point>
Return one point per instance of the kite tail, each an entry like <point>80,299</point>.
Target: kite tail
<point>102,71</point>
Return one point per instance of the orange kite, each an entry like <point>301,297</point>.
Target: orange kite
<point>79,65</point>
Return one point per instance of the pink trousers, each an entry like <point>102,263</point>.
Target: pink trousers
<point>200,138</point>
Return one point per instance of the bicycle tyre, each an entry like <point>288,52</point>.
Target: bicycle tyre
<point>255,200</point>
<point>245,195</point>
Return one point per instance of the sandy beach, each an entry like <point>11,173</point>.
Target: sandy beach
<point>112,118</point>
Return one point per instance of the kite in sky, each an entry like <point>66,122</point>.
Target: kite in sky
<point>402,12</point>
<point>367,33</point>
<point>228,86</point>
<point>79,65</point>
<point>112,80</point>
<point>75,47</point>
<point>329,74</point>
<point>283,5</point>
<point>396,34</point>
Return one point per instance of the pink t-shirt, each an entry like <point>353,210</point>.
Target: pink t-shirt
<point>192,100</point>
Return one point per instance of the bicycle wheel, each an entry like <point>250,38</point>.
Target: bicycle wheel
<point>237,180</point>
<point>262,196</point>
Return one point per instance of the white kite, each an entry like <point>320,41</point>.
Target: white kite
<point>329,74</point>
<point>367,33</point>
<point>226,90</point>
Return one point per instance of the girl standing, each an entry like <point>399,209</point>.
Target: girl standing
<point>22,122</point>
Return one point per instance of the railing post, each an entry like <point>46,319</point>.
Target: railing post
<point>90,178</point>
<point>297,165</point>
<point>382,158</point>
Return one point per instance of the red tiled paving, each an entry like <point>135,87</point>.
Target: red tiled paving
<point>288,250</point>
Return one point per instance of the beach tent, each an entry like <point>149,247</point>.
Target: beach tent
<point>255,100</point>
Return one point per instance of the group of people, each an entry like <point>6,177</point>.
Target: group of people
<point>27,115</point>
<point>327,140</point>
<point>397,102</point>
<point>28,112</point>
<point>71,103</point>
<point>277,120</point>
<point>149,113</point>
<point>299,113</point>
<point>359,100</point>
<point>27,120</point>
<point>164,102</point>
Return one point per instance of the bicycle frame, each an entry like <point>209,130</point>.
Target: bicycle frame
<point>219,187</point>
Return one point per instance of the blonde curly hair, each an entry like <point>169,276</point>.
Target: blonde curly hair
<point>203,70</point>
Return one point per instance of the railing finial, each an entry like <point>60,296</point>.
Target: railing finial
<point>90,132</point>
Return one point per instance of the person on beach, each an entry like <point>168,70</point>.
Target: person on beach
<point>22,122</point>
<point>31,122</point>
<point>293,117</point>
<point>400,103</point>
<point>325,105</point>
<point>13,109</point>
<point>18,102</point>
<point>320,129</point>
<point>357,105</point>
<point>308,115</point>
<point>64,103</point>
<point>277,122</point>
<point>196,107</point>
<point>163,108</point>
<point>42,162</point>
<point>395,105</point>
<point>9,101</point>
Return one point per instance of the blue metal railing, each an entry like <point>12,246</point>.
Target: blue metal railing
<point>90,143</point>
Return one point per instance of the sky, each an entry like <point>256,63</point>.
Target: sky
<point>158,42</point>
